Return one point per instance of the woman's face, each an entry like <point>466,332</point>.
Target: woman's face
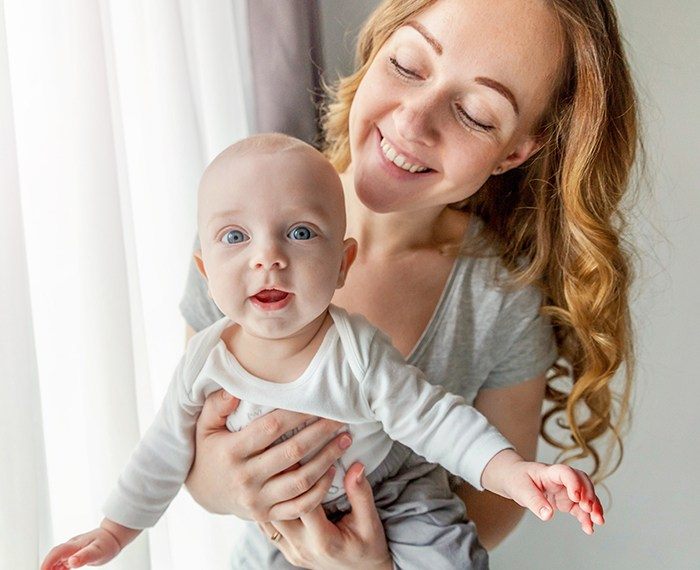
<point>452,96</point>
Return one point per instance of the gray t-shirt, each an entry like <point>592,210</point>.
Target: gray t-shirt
<point>481,335</point>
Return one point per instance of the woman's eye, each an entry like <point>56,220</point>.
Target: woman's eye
<point>301,233</point>
<point>234,236</point>
<point>470,122</point>
<point>401,70</point>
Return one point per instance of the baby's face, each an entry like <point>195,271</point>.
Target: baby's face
<point>271,230</point>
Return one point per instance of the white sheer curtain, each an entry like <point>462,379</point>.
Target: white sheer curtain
<point>109,111</point>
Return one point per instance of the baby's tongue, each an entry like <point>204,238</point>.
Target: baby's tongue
<point>270,295</point>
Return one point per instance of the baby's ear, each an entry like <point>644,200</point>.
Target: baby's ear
<point>199,262</point>
<point>349,255</point>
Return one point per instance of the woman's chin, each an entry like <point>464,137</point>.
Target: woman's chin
<point>376,199</point>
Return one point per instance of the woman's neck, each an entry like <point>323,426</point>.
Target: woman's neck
<point>391,234</point>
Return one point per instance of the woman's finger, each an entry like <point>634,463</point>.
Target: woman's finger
<point>217,407</point>
<point>317,523</point>
<point>364,518</point>
<point>308,440</point>
<point>304,503</point>
<point>262,432</point>
<point>269,531</point>
<point>298,481</point>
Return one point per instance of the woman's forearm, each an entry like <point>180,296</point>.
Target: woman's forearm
<point>495,516</point>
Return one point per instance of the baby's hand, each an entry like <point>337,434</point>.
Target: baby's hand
<point>542,488</point>
<point>95,548</point>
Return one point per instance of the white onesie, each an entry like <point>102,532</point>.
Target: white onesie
<point>356,377</point>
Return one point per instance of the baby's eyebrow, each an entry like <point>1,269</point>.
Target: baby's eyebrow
<point>222,215</point>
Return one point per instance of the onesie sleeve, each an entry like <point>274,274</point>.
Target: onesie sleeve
<point>523,344</point>
<point>436,424</point>
<point>198,309</point>
<point>159,465</point>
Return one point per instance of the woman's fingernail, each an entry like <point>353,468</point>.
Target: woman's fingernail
<point>332,470</point>
<point>361,476</point>
<point>225,395</point>
<point>345,442</point>
<point>544,511</point>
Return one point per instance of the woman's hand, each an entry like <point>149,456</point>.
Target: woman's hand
<point>543,488</point>
<point>356,541</point>
<point>236,473</point>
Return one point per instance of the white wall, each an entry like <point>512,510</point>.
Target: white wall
<point>653,522</point>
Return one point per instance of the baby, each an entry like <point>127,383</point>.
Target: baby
<point>271,227</point>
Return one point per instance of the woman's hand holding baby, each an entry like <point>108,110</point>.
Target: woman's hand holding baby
<point>543,488</point>
<point>356,541</point>
<point>239,473</point>
<point>92,548</point>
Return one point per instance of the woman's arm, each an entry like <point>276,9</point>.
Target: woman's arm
<point>516,412</point>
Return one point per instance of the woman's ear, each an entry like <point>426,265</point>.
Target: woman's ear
<point>524,150</point>
<point>349,255</point>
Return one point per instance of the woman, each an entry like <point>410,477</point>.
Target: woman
<point>484,148</point>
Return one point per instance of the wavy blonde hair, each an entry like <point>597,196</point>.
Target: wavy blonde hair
<point>557,221</point>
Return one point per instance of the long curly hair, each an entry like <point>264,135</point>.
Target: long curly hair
<point>557,221</point>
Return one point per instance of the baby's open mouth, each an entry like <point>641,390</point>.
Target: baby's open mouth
<point>271,296</point>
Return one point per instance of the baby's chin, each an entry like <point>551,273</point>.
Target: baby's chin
<point>273,328</point>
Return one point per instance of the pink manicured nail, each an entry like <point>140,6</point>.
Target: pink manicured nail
<point>345,442</point>
<point>361,476</point>
<point>544,511</point>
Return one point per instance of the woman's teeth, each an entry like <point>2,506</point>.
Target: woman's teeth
<point>399,159</point>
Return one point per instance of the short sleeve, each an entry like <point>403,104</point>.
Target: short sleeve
<point>524,345</point>
<point>198,309</point>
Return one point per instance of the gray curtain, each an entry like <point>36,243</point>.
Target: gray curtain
<point>286,64</point>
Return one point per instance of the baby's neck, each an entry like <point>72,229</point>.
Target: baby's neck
<point>278,360</point>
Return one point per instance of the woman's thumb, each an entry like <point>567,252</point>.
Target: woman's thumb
<point>217,407</point>
<point>360,496</point>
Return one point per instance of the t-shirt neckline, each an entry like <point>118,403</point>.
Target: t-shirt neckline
<point>329,337</point>
<point>430,328</point>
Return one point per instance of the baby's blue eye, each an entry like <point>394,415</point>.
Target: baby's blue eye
<point>235,236</point>
<point>301,233</point>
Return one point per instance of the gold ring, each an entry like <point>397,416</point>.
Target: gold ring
<point>275,537</point>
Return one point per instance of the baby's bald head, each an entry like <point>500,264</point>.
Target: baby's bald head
<point>277,164</point>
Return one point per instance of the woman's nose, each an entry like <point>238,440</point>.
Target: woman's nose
<point>268,255</point>
<point>416,120</point>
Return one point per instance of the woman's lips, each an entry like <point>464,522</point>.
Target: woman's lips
<point>391,168</point>
<point>271,299</point>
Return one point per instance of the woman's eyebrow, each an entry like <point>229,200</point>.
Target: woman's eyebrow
<point>485,81</point>
<point>436,45</point>
<point>500,88</point>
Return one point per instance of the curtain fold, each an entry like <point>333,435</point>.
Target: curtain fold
<point>23,484</point>
<point>109,112</point>
<point>287,62</point>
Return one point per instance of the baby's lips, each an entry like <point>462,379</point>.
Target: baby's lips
<point>270,295</point>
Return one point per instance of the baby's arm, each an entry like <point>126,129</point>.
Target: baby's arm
<point>93,548</point>
<point>159,465</point>
<point>445,429</point>
<point>149,482</point>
